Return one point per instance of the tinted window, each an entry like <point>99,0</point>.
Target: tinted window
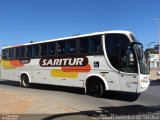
<point>11,53</point>
<point>71,46</point>
<point>22,52</point>
<point>51,48</point>
<point>128,60</point>
<point>35,50</point>
<point>28,51</point>
<point>44,49</point>
<point>5,53</point>
<point>61,47</point>
<point>114,43</point>
<point>83,45</point>
<point>17,52</point>
<point>95,45</point>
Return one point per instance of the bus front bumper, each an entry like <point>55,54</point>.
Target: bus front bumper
<point>143,83</point>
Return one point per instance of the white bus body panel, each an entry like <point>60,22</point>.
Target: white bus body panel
<point>38,74</point>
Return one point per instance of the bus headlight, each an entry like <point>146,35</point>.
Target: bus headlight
<point>144,80</point>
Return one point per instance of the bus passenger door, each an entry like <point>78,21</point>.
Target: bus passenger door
<point>128,82</point>
<point>128,70</point>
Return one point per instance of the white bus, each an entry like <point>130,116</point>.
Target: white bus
<point>97,62</point>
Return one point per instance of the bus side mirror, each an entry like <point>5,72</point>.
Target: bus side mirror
<point>131,58</point>
<point>130,55</point>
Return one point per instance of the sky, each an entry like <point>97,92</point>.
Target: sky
<point>22,21</point>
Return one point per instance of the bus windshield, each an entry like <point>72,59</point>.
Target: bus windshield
<point>144,67</point>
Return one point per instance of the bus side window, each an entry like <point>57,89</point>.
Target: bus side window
<point>61,47</point>
<point>95,45</point>
<point>51,48</point>
<point>35,50</point>
<point>112,49</point>
<point>128,63</point>
<point>5,53</point>
<point>11,53</point>
<point>84,45</point>
<point>71,46</point>
<point>17,52</point>
<point>22,52</point>
<point>29,51</point>
<point>44,49</point>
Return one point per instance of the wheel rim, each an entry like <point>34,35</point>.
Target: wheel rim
<point>95,89</point>
<point>25,82</point>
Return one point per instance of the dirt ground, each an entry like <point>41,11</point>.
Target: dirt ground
<point>153,74</point>
<point>15,102</point>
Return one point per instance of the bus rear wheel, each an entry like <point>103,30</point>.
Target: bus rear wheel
<point>24,81</point>
<point>95,88</point>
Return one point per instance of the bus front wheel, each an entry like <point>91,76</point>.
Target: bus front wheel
<point>95,88</point>
<point>24,81</point>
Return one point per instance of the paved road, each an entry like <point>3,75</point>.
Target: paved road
<point>55,102</point>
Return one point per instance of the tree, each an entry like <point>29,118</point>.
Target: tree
<point>149,51</point>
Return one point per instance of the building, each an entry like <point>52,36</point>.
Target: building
<point>156,49</point>
<point>154,60</point>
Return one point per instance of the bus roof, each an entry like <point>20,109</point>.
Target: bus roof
<point>72,37</point>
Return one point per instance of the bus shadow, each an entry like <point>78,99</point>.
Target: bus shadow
<point>123,96</point>
<point>45,87</point>
<point>155,82</point>
<point>10,83</point>
<point>57,88</point>
<point>108,95</point>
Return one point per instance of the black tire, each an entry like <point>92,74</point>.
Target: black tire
<point>24,81</point>
<point>134,96</point>
<point>95,88</point>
